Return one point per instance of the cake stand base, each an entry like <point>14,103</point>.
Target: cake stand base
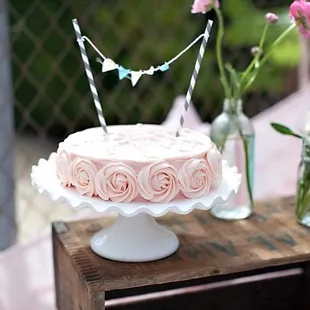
<point>134,239</point>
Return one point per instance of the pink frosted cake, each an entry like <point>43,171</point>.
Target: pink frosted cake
<point>139,162</point>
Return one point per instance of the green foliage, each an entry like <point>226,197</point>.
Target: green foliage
<point>245,29</point>
<point>285,130</point>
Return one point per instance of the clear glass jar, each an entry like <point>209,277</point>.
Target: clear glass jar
<point>302,204</point>
<point>233,133</point>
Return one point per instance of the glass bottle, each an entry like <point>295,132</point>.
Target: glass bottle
<point>302,204</point>
<point>233,133</point>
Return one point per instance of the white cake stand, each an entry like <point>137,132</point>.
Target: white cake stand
<point>134,236</point>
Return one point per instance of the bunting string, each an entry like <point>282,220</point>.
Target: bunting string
<point>134,75</point>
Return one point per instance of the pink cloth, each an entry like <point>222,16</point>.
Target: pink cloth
<point>26,276</point>
<point>277,156</point>
<point>26,272</point>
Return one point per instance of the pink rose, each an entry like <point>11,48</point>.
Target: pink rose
<point>195,178</point>
<point>117,182</point>
<point>203,6</point>
<point>158,182</point>
<point>300,14</point>
<point>82,173</point>
<point>214,159</point>
<point>62,167</point>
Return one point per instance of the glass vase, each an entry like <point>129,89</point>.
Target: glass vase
<point>233,134</point>
<point>302,204</point>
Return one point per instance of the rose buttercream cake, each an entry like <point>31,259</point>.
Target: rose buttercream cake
<point>139,162</point>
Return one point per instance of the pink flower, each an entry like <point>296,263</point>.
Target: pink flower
<point>195,178</point>
<point>82,173</point>
<point>271,18</point>
<point>117,182</point>
<point>158,182</point>
<point>300,14</point>
<point>203,6</point>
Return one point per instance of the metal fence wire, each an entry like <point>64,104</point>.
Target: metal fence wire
<point>51,92</point>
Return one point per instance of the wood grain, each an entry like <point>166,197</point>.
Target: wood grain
<point>209,248</point>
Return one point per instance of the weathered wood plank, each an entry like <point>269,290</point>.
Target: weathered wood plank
<point>274,293</point>
<point>209,250</point>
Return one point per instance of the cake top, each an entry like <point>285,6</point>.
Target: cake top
<point>139,143</point>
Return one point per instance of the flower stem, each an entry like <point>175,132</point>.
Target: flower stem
<point>262,39</point>
<point>258,55</point>
<point>303,192</point>
<point>303,203</point>
<point>254,61</point>
<point>247,170</point>
<point>258,65</point>
<point>276,42</point>
<point>219,43</point>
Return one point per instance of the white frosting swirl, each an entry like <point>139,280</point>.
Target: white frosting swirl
<point>62,166</point>
<point>117,182</point>
<point>158,182</point>
<point>214,158</point>
<point>82,173</point>
<point>195,178</point>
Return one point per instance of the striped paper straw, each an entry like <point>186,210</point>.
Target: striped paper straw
<point>89,74</point>
<point>194,75</point>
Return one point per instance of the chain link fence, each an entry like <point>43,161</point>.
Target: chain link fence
<point>51,94</point>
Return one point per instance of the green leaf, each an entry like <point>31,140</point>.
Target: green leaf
<point>285,130</point>
<point>234,77</point>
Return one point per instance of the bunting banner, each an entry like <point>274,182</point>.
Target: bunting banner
<point>135,75</point>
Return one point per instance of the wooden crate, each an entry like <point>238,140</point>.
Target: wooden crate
<point>259,263</point>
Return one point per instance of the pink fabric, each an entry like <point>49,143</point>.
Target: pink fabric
<point>26,276</point>
<point>277,156</point>
<point>26,272</point>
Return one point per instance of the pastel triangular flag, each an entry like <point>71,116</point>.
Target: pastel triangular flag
<point>164,67</point>
<point>122,72</point>
<point>108,65</point>
<point>150,71</point>
<point>135,76</point>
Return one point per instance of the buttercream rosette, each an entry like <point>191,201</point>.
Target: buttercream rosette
<point>214,158</point>
<point>195,178</point>
<point>117,182</point>
<point>158,182</point>
<point>82,173</point>
<point>62,166</point>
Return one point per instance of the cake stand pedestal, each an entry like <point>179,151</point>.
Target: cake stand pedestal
<point>134,236</point>
<point>134,239</point>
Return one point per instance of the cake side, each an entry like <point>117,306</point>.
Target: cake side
<point>139,162</point>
